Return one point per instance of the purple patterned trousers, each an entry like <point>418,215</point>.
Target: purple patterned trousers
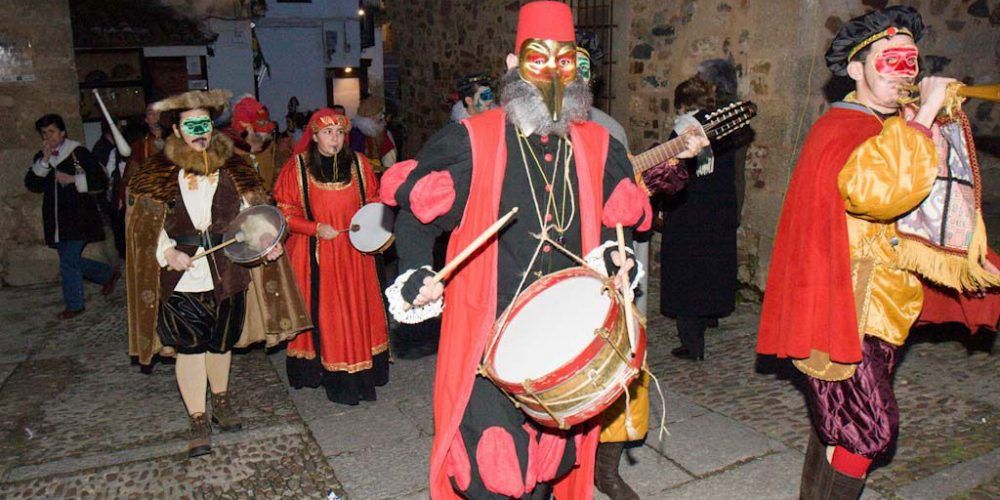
<point>860,413</point>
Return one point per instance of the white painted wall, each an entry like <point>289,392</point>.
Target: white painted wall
<point>295,56</point>
<point>231,66</point>
<point>292,36</point>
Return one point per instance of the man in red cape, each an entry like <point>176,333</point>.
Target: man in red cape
<point>567,177</point>
<point>837,300</point>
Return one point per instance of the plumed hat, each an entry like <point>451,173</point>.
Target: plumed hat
<point>544,21</point>
<point>865,30</point>
<point>213,101</point>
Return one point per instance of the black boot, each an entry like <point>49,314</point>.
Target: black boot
<point>606,476</point>
<point>820,481</point>
<point>815,474</point>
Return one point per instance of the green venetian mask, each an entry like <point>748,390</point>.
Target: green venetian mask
<point>197,127</point>
<point>583,64</point>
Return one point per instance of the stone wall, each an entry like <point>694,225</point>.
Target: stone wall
<point>437,41</point>
<point>778,48</point>
<point>45,26</point>
<point>777,45</point>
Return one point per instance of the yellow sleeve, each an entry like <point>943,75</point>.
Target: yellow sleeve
<point>889,174</point>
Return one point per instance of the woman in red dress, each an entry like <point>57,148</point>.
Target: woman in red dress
<point>319,189</point>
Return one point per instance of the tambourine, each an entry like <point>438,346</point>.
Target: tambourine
<point>371,228</point>
<point>254,233</point>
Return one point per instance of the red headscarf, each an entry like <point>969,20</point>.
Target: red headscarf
<point>322,118</point>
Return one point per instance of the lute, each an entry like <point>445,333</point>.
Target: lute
<point>715,125</point>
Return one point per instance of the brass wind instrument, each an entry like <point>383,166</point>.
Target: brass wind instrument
<point>957,94</point>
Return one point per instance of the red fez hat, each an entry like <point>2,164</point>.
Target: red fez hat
<point>544,21</point>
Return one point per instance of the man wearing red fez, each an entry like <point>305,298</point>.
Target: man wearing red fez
<point>252,132</point>
<point>863,230</point>
<point>569,179</point>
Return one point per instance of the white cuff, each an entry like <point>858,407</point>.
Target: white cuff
<point>402,311</point>
<point>81,182</point>
<point>596,260</point>
<point>41,168</point>
<point>161,248</point>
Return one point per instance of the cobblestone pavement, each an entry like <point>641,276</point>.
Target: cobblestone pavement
<point>78,420</point>
<point>945,385</point>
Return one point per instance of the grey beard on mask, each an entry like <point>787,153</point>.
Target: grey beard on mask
<point>525,107</point>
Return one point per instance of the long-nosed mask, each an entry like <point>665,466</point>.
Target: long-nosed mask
<point>550,66</point>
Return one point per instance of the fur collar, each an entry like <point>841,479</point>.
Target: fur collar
<point>220,149</point>
<point>157,179</point>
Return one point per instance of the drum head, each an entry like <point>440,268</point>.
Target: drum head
<point>551,329</point>
<point>258,230</point>
<point>371,227</point>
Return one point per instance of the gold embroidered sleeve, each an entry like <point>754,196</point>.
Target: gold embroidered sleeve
<point>889,174</point>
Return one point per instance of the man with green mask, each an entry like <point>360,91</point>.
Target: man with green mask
<point>180,203</point>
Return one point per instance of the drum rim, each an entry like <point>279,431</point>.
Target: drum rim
<point>282,231</point>
<point>567,369</point>
<point>583,412</point>
<point>385,245</point>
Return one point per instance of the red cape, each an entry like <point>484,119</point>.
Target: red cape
<point>471,294</point>
<point>809,301</point>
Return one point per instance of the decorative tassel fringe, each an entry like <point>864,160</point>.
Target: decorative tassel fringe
<point>960,272</point>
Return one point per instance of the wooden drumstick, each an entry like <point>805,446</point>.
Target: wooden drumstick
<point>627,293</point>
<point>239,238</point>
<point>478,242</point>
<point>467,251</point>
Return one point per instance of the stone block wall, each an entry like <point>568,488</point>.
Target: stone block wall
<point>45,25</point>
<point>777,46</point>
<point>437,41</point>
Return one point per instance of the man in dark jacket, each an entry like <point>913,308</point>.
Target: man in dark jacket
<point>66,174</point>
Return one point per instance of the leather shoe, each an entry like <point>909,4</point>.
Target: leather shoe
<point>683,353</point>
<point>110,285</point>
<point>68,314</point>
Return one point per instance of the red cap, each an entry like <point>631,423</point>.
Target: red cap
<point>249,112</point>
<point>544,21</point>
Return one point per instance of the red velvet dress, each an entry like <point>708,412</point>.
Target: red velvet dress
<point>340,285</point>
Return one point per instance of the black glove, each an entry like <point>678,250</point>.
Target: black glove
<point>609,264</point>
<point>413,284</point>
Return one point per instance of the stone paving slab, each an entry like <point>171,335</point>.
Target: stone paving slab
<point>17,343</point>
<point>649,473</point>
<point>5,370</point>
<point>773,476</point>
<point>363,430</point>
<point>679,406</point>
<point>711,442</point>
<point>955,479</point>
<point>385,472</point>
